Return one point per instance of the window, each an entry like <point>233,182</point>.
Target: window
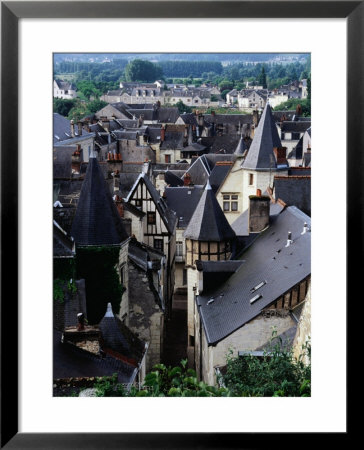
<point>167,158</point>
<point>138,202</point>
<point>192,341</point>
<point>151,218</point>
<point>230,202</point>
<point>251,179</point>
<point>179,248</point>
<point>158,244</point>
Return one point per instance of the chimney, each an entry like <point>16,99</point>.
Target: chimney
<point>259,207</point>
<point>72,128</point>
<point>280,154</point>
<point>79,125</point>
<point>187,179</point>
<point>81,321</point>
<point>289,239</point>
<point>255,118</point>
<point>119,205</point>
<point>163,133</point>
<point>305,228</point>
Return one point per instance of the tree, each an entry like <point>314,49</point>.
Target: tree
<point>143,71</point>
<point>182,108</point>
<point>63,106</point>
<point>262,79</point>
<point>276,374</point>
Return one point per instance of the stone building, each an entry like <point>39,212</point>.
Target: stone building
<point>64,89</point>
<point>158,226</point>
<point>238,302</point>
<point>209,237</point>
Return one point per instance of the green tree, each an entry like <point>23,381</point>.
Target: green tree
<point>276,374</point>
<point>262,80</point>
<point>143,71</point>
<point>182,108</point>
<point>63,106</point>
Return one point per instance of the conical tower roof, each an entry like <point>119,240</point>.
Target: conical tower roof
<point>260,155</point>
<point>241,147</point>
<point>208,222</point>
<point>97,221</point>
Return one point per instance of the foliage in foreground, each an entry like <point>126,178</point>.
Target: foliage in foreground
<point>276,374</point>
<point>162,381</point>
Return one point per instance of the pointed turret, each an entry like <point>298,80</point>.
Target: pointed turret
<point>241,147</point>
<point>208,223</point>
<point>261,155</point>
<point>97,221</point>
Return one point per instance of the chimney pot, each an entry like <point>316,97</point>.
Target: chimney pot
<point>259,193</point>
<point>259,207</point>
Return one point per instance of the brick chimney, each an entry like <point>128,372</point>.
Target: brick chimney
<point>187,179</point>
<point>79,126</point>
<point>119,205</point>
<point>163,133</point>
<point>258,212</point>
<point>280,154</point>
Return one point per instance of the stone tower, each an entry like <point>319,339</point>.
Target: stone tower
<point>266,157</point>
<point>209,237</point>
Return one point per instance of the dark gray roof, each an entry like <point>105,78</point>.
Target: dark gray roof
<point>225,144</point>
<point>267,260</point>
<point>63,244</point>
<point>189,118</point>
<point>295,126</point>
<point>62,161</point>
<point>117,337</point>
<point>172,179</point>
<point>168,216</point>
<point>241,147</point>
<point>296,152</point>
<point>208,222</point>
<point>218,175</point>
<point>61,128</point>
<point>260,155</point>
<point>195,147</point>
<point>280,116</point>
<point>294,190</point>
<point>183,200</point>
<point>235,119</point>
<point>70,361</point>
<point>167,114</point>
<point>97,221</point>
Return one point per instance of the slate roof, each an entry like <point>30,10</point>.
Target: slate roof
<point>63,245</point>
<point>167,114</point>
<point>195,147</point>
<point>97,221</point>
<point>294,190</point>
<point>183,200</point>
<point>295,126</point>
<point>118,338</point>
<point>260,155</point>
<point>189,118</point>
<point>168,216</point>
<point>208,222</point>
<point>241,147</point>
<point>62,161</point>
<point>61,128</point>
<point>268,260</point>
<point>70,361</point>
<point>172,179</point>
<point>225,144</point>
<point>218,175</point>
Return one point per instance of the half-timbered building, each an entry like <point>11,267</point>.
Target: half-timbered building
<point>158,226</point>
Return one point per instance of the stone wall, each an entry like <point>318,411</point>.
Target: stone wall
<point>303,333</point>
<point>145,316</point>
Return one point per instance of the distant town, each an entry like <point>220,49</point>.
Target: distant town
<point>182,225</point>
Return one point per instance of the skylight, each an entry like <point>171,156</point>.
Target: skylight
<point>254,299</point>
<point>255,288</point>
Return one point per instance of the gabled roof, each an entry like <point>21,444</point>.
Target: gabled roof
<point>219,173</point>
<point>296,126</point>
<point>267,260</point>
<point>168,216</point>
<point>97,221</point>
<point>260,155</point>
<point>61,128</point>
<point>208,222</point>
<point>183,200</point>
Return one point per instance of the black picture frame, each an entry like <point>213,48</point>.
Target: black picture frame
<point>11,12</point>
